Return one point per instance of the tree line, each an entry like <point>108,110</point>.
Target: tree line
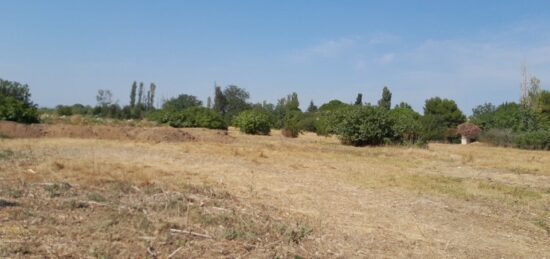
<point>524,124</point>
<point>142,100</point>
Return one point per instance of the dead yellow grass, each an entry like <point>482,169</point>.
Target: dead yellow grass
<point>443,201</point>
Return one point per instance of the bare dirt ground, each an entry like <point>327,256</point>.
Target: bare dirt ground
<point>266,197</point>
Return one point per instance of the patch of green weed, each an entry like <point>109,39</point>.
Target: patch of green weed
<point>57,189</point>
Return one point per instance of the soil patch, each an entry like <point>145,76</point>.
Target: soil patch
<point>156,134</point>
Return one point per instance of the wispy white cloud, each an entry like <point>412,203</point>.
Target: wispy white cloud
<point>386,58</point>
<point>332,48</point>
<point>325,49</point>
<point>383,38</point>
<point>472,70</point>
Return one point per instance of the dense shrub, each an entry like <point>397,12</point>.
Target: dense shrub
<point>308,121</point>
<point>19,92</point>
<point>539,139</point>
<point>291,124</point>
<point>534,140</point>
<point>194,117</point>
<point>253,122</point>
<point>516,117</point>
<point>181,102</point>
<point>15,103</point>
<point>407,127</point>
<point>108,111</point>
<point>499,137</point>
<point>68,110</point>
<point>15,110</point>
<point>513,125</point>
<point>364,125</point>
<point>81,109</point>
<point>440,115</point>
<point>333,105</point>
<point>63,110</point>
<point>326,122</point>
<point>483,116</point>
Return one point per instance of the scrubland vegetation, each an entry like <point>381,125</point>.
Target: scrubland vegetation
<point>236,179</point>
<point>524,125</point>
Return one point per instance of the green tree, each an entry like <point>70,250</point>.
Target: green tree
<point>12,109</point>
<point>483,116</point>
<point>407,126</point>
<point>359,99</point>
<point>64,110</point>
<point>220,102</point>
<point>533,92</point>
<point>292,102</point>
<point>253,122</point>
<point>196,117</point>
<point>441,115</point>
<point>543,105</point>
<point>19,92</point>
<point>181,102</point>
<point>104,97</point>
<point>403,105</point>
<point>518,118</point>
<point>312,107</point>
<point>133,95</point>
<point>209,102</point>
<point>333,105</point>
<point>236,101</point>
<point>385,101</point>
<point>151,96</point>
<point>291,124</point>
<point>285,105</point>
<point>140,95</point>
<point>364,125</point>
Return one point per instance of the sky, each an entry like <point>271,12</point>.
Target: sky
<point>468,51</point>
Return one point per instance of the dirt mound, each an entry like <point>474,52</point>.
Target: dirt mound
<point>157,134</point>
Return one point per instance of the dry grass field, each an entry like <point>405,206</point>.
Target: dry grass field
<point>240,196</point>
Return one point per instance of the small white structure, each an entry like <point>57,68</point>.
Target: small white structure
<point>465,140</point>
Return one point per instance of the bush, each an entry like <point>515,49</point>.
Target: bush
<point>63,110</point>
<point>534,140</point>
<point>15,103</point>
<point>81,109</point>
<point>291,124</point>
<point>327,121</point>
<point>539,139</point>
<point>365,125</point>
<point>253,122</point>
<point>12,109</point>
<point>17,91</point>
<point>308,121</point>
<point>483,116</point>
<point>407,127</point>
<point>333,105</point>
<point>440,115</point>
<point>499,137</point>
<point>514,116</point>
<point>194,117</point>
<point>183,101</point>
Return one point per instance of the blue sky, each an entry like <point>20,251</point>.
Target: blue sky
<point>469,51</point>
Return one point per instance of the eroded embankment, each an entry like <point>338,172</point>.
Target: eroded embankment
<point>154,134</point>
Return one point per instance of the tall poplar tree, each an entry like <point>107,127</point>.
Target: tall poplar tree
<point>359,99</point>
<point>385,102</point>
<point>133,96</point>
